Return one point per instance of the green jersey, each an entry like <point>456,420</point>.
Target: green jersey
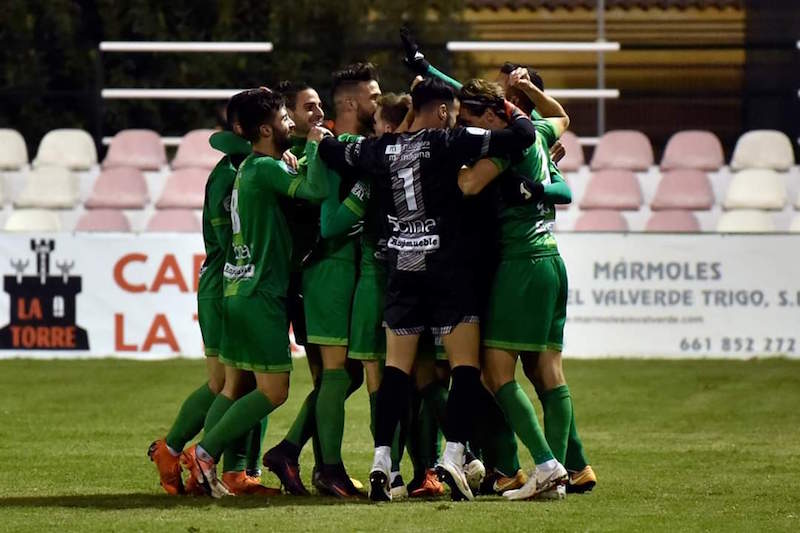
<point>259,258</point>
<point>216,212</point>
<point>527,230</point>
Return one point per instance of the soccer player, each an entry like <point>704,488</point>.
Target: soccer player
<point>415,177</point>
<point>165,453</point>
<point>527,309</point>
<point>256,278</point>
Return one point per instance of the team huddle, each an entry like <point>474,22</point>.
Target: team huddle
<point>409,241</point>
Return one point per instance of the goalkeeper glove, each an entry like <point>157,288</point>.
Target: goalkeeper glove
<point>413,59</point>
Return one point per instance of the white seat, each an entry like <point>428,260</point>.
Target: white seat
<point>763,149</point>
<point>33,220</point>
<point>13,152</point>
<point>795,226</point>
<point>745,221</point>
<point>756,189</point>
<point>70,148</point>
<point>52,187</point>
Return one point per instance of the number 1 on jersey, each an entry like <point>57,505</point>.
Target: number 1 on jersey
<point>407,175</point>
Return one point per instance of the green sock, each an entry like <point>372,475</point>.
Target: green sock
<point>255,441</point>
<point>413,441</point>
<point>428,435</point>
<point>500,445</point>
<point>330,414</point>
<point>398,445</point>
<point>191,417</point>
<point>234,456</point>
<point>557,407</point>
<point>303,425</point>
<point>218,408</point>
<point>434,398</point>
<point>522,417</point>
<point>237,421</point>
<point>576,459</point>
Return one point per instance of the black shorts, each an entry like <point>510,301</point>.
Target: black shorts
<point>295,309</point>
<point>436,302</point>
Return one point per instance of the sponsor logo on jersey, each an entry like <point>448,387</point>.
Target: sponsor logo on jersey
<point>424,243</point>
<point>238,271</point>
<point>287,168</point>
<point>226,203</point>
<point>361,191</point>
<point>393,149</point>
<point>407,227</point>
<point>472,130</point>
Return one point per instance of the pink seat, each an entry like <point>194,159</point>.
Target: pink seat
<point>693,149</point>
<point>119,188</point>
<point>612,189</point>
<point>602,220</point>
<point>678,221</point>
<point>185,189</point>
<point>140,149</point>
<point>178,220</point>
<point>626,149</point>
<point>574,158</point>
<point>194,151</point>
<point>683,189</point>
<point>103,220</point>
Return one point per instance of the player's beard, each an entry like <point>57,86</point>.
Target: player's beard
<point>283,140</point>
<point>366,120</point>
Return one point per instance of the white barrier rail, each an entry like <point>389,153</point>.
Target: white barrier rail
<point>166,141</point>
<point>187,46</point>
<point>584,94</point>
<point>168,94</point>
<point>528,46</point>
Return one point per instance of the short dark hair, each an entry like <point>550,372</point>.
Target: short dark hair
<point>290,89</point>
<point>394,107</point>
<point>257,108</point>
<point>352,75</point>
<point>509,67</point>
<point>232,110</point>
<point>432,90</point>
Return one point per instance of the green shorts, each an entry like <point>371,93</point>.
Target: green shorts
<point>209,315</point>
<point>328,287</point>
<point>256,333</point>
<point>367,335</point>
<point>528,305</point>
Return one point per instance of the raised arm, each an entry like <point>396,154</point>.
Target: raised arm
<point>415,60</point>
<point>547,106</point>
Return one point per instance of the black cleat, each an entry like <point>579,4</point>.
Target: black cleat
<point>379,490</point>
<point>287,469</point>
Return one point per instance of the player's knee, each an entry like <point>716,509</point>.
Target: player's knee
<point>216,383</point>
<point>277,395</point>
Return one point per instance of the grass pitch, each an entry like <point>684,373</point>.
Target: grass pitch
<point>677,446</point>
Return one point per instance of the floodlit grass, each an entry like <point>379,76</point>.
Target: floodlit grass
<point>677,446</point>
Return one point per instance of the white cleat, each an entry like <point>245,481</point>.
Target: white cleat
<point>558,493</point>
<point>540,482</point>
<point>453,474</point>
<point>475,472</point>
<point>398,487</point>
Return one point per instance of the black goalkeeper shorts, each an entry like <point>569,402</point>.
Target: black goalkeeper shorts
<point>436,302</point>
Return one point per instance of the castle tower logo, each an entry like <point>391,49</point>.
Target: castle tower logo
<point>42,306</point>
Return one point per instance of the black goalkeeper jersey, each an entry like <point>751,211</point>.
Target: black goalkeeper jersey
<point>416,184</point>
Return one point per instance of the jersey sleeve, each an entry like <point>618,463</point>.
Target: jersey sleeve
<point>338,218</point>
<point>470,144</point>
<point>436,73</point>
<point>216,201</point>
<point>288,182</point>
<point>364,155</point>
<point>546,131</point>
<point>557,191</point>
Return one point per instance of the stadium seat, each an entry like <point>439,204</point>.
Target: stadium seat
<point>693,149</point>
<point>626,149</point>
<point>683,189</point>
<point>574,160</point>
<point>677,221</point>
<point>70,148</point>
<point>140,149</point>
<point>49,187</point>
<point>178,220</point>
<point>601,220</point>
<point>194,151</point>
<point>184,189</point>
<point>756,189</point>
<point>745,221</point>
<point>612,189</point>
<point>119,188</point>
<point>103,220</point>
<point>33,220</point>
<point>13,152</point>
<point>763,149</point>
<point>795,226</point>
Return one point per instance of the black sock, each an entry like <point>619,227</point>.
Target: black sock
<point>462,403</point>
<point>391,405</point>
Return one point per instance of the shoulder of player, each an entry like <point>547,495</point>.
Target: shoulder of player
<point>269,166</point>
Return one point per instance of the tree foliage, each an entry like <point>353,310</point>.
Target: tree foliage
<point>52,70</point>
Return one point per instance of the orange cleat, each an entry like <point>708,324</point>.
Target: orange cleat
<point>430,487</point>
<point>168,466</point>
<point>583,481</point>
<point>192,487</point>
<point>239,483</point>
<point>502,483</point>
<point>204,473</point>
